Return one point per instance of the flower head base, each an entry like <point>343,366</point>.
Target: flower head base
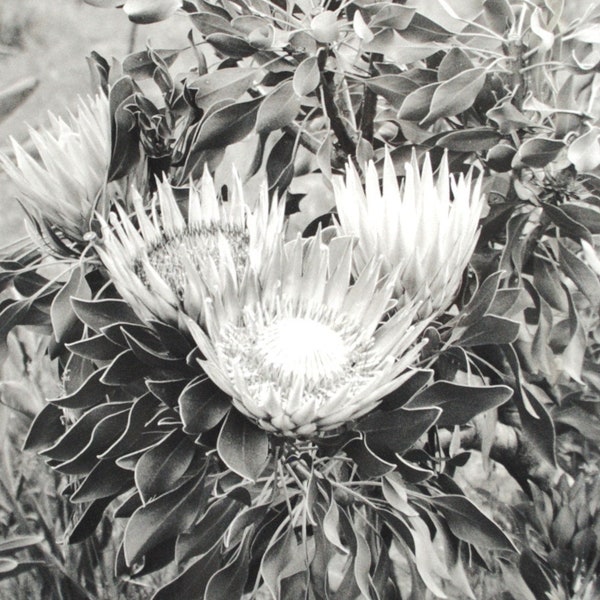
<point>168,264</point>
<point>429,228</point>
<point>303,351</point>
<point>69,184</point>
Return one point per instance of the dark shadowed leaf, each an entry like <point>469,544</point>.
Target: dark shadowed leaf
<point>460,403</point>
<point>162,518</point>
<point>474,139</point>
<point>191,584</point>
<point>468,523</point>
<point>100,313</point>
<point>45,429</point>
<point>202,405</point>
<point>105,479</point>
<point>393,432</point>
<point>161,467</point>
<point>243,446</point>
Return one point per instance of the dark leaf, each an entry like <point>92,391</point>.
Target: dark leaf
<point>202,405</point>
<point>474,139</point>
<point>460,403</point>
<point>45,429</point>
<point>105,479</point>
<point>88,521</point>
<point>161,467</point>
<point>537,152</point>
<point>100,313</point>
<point>162,518</point>
<point>468,523</point>
<point>418,380</point>
<point>243,446</point>
<point>393,432</point>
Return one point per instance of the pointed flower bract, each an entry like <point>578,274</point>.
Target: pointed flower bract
<point>168,264</point>
<point>304,351</point>
<point>68,184</point>
<point>428,227</point>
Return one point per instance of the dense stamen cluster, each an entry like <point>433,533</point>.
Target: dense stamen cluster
<point>198,246</point>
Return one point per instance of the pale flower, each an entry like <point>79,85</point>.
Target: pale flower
<point>68,184</point>
<point>302,350</point>
<point>428,227</point>
<point>165,266</point>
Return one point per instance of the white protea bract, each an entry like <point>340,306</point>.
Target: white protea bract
<point>166,264</point>
<point>428,226</point>
<point>305,349</point>
<point>68,184</point>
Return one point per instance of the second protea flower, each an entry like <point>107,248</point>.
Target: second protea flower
<point>428,227</point>
<point>68,184</point>
<point>167,263</point>
<point>303,350</point>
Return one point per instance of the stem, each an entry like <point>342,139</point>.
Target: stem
<point>369,107</point>
<point>345,142</point>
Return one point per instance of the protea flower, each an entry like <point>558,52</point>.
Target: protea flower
<point>167,264</point>
<point>428,228</point>
<point>68,184</point>
<point>302,351</point>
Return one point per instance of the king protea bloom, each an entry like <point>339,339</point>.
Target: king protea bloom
<point>303,350</point>
<point>427,227</point>
<point>68,184</point>
<point>165,264</point>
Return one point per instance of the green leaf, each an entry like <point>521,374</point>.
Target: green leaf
<point>124,130</point>
<point>103,436</point>
<point>399,397</point>
<point>583,277</point>
<point>490,329</point>
<point>162,467</point>
<point>307,76</point>
<point>460,403</point>
<point>455,62</point>
<point>91,393</point>
<point>61,313</point>
<point>230,45</point>
<point>45,429</point>
<point>167,390</point>
<point>207,532</point>
<point>455,95</point>
<point>278,109</point>
<point>423,30</point>
<point>87,523</point>
<point>224,83</point>
<point>95,347</point>
<point>587,216</point>
<point>191,584</point>
<point>227,125</point>
<point>202,405</point>
<point>280,164</point>
<point>162,518</point>
<point>229,582</point>
<point>279,554</point>
<point>394,432</point>
<point>105,479</point>
<point>16,543</point>
<point>537,152</point>
<point>243,446</point>
<point>100,313</point>
<point>473,139</point>
<point>568,226</point>
<point>482,300</point>
<point>415,106</point>
<point>368,463</point>
<point>78,435</point>
<point>393,16</point>
<point>141,65</point>
<point>141,413</point>
<point>468,523</point>
<point>393,87</point>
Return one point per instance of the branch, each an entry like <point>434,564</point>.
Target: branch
<point>337,124</point>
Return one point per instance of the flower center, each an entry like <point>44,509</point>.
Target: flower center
<point>200,246</point>
<point>300,347</point>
